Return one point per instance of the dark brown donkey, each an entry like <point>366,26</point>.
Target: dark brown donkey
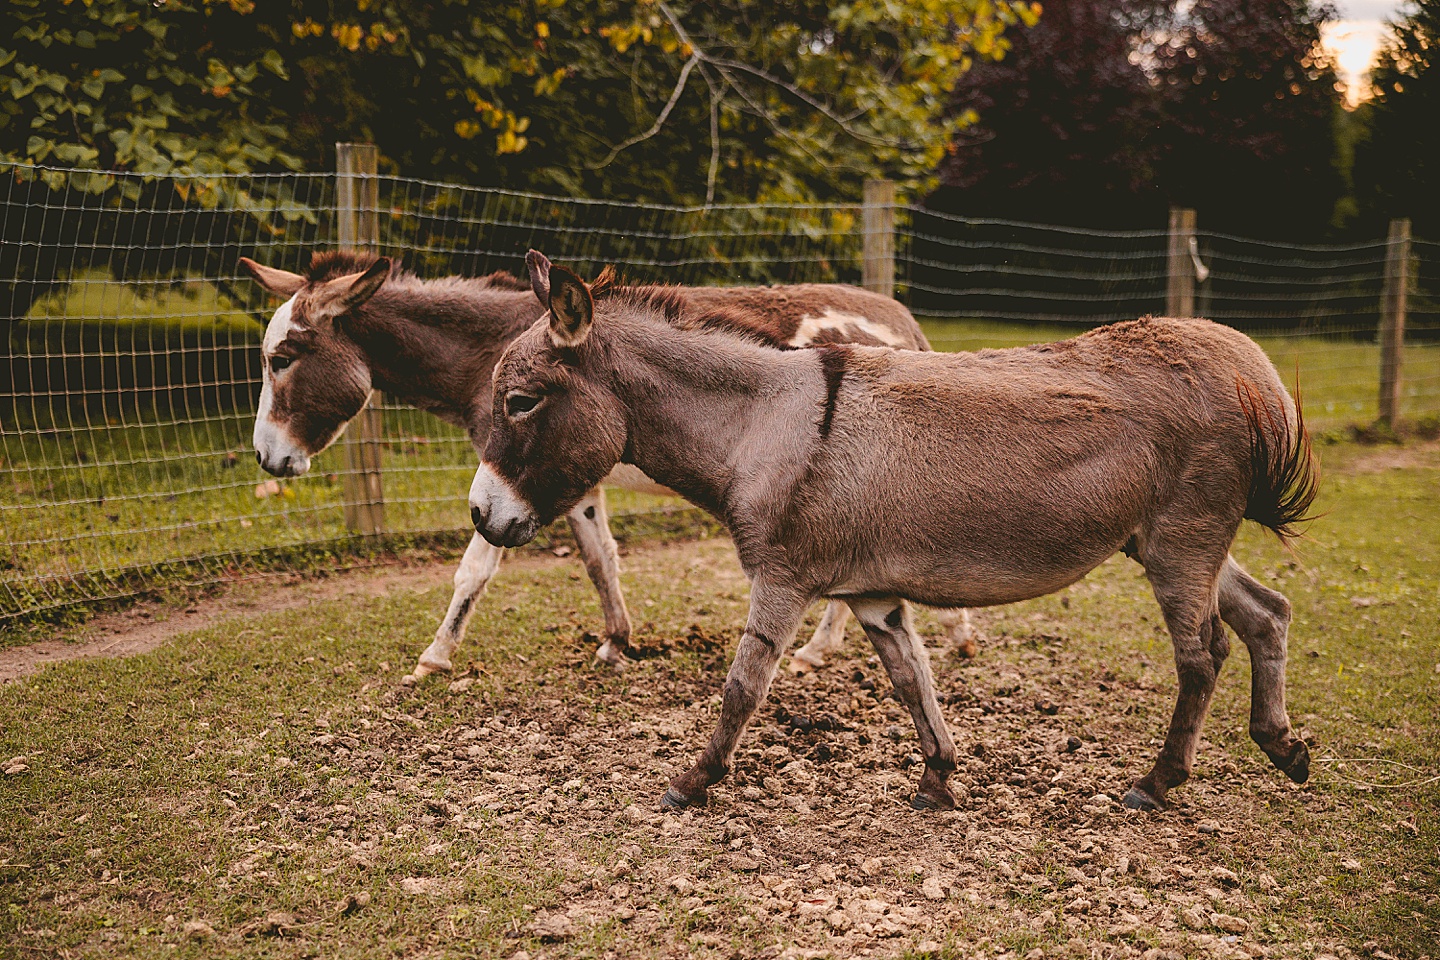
<point>885,477</point>
<point>352,324</point>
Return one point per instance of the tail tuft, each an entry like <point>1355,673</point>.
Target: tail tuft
<point>1283,477</point>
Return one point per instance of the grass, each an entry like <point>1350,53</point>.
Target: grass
<point>100,509</point>
<point>1339,377</point>
<point>270,778</point>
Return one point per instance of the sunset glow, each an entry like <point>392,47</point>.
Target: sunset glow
<point>1355,38</point>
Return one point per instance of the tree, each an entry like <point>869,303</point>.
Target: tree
<point>124,84</point>
<point>624,98</point>
<point>1105,113</point>
<point>1065,128</point>
<point>1250,100</point>
<point>1397,168</point>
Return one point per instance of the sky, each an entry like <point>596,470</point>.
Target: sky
<point>1355,36</point>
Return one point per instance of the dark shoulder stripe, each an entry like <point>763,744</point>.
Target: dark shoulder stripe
<point>833,359</point>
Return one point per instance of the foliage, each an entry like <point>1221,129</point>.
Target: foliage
<point>1105,113</point>
<point>154,89</point>
<point>631,98</point>
<point>1396,167</point>
<point>1066,122</point>
<point>1249,102</point>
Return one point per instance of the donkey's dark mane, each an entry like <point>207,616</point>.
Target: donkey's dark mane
<point>679,310</point>
<point>326,265</point>
<point>329,264</point>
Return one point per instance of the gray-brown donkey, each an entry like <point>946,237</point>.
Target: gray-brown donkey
<point>883,477</point>
<point>352,324</point>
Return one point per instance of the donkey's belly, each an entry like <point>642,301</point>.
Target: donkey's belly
<point>974,561</point>
<point>630,477</point>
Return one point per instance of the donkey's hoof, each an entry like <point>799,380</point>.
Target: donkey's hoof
<point>612,656</point>
<point>1297,767</point>
<point>967,648</point>
<point>675,800</point>
<point>429,665</point>
<point>924,801</point>
<point>799,664</point>
<point>1137,799</point>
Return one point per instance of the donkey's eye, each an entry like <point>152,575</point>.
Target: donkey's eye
<point>518,403</point>
<point>278,364</point>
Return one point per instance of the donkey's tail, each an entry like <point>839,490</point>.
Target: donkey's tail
<point>1283,477</point>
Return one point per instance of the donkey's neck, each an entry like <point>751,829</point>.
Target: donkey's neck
<point>434,344</point>
<point>722,421</point>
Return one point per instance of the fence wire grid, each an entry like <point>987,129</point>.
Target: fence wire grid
<point>129,358</point>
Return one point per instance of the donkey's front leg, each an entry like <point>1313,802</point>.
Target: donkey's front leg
<point>774,617</point>
<point>891,629</point>
<point>477,568</point>
<point>602,562</point>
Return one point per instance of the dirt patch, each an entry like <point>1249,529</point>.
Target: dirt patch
<point>810,847</point>
<point>1390,457</point>
<point>146,626</point>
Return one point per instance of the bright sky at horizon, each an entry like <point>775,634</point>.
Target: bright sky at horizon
<point>1354,38</point>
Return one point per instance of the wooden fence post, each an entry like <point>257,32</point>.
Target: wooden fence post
<point>357,223</point>
<point>1180,285</point>
<point>1392,318</point>
<point>878,226</point>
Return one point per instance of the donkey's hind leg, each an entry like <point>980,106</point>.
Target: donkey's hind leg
<point>602,562</point>
<point>1261,618</point>
<point>960,628</point>
<point>1187,593</point>
<point>477,568</point>
<point>829,636</point>
<point>891,629</point>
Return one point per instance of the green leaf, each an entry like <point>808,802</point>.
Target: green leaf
<point>275,63</point>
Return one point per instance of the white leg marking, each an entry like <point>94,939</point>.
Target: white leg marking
<point>477,568</point>
<point>961,630</point>
<point>601,555</point>
<point>829,636</point>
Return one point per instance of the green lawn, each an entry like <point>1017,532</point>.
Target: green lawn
<point>270,783</point>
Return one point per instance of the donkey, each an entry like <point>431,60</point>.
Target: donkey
<point>890,477</point>
<point>353,324</point>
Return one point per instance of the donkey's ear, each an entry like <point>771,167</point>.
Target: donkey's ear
<point>363,287</point>
<point>539,266</point>
<point>282,283</point>
<point>572,309</point>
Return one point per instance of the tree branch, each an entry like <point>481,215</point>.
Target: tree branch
<point>723,66</point>
<point>659,121</point>
<point>714,171</point>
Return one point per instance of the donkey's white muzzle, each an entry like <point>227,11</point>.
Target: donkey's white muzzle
<point>498,512</point>
<point>277,453</point>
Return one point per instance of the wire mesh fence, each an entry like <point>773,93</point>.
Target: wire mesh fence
<point>129,369</point>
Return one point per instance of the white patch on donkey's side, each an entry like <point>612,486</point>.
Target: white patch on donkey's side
<point>850,324</point>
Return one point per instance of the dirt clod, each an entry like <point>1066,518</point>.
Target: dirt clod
<point>1224,921</point>
<point>197,930</point>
